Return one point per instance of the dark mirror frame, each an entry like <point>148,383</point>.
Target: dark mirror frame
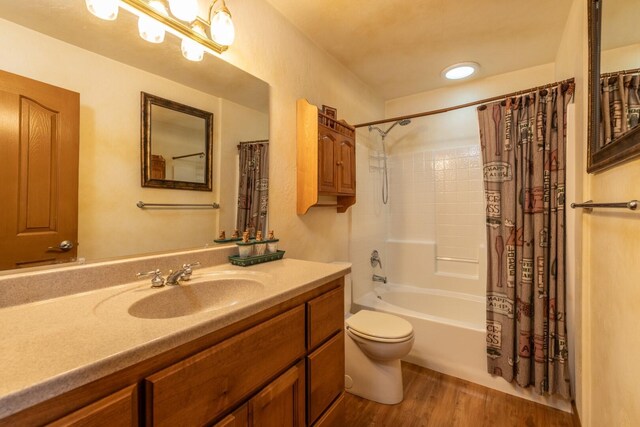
<point>147,100</point>
<point>627,146</point>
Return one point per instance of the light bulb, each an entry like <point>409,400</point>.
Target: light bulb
<point>191,49</point>
<point>222,30</point>
<point>150,29</point>
<point>103,9</point>
<point>186,10</point>
<point>460,71</point>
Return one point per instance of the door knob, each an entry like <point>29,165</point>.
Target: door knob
<point>64,246</point>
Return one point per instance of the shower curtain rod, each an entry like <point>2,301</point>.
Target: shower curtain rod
<point>623,72</point>
<point>468,104</point>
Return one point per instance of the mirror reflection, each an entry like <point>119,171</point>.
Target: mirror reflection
<point>109,66</point>
<point>615,96</point>
<point>176,145</point>
<point>620,69</point>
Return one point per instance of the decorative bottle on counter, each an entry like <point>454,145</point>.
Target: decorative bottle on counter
<point>245,248</point>
<point>260,245</point>
<point>272,243</point>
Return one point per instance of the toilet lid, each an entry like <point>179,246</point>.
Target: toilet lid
<point>379,325</point>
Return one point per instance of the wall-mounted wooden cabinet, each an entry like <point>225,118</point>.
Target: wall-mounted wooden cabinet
<point>326,159</point>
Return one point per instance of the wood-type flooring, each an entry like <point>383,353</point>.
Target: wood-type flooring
<point>432,399</point>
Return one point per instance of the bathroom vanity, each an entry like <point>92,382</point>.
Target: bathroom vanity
<point>273,352</point>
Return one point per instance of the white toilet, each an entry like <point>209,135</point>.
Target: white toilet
<point>374,344</point>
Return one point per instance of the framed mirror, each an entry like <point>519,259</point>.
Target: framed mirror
<point>109,65</point>
<point>176,145</point>
<point>614,77</point>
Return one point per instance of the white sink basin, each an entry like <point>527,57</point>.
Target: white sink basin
<point>187,299</point>
<point>204,292</point>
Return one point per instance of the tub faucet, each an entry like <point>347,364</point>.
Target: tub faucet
<point>375,259</point>
<point>377,278</point>
<point>183,273</point>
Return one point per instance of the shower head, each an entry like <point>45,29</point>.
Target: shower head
<point>403,122</point>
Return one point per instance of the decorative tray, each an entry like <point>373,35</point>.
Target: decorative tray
<point>255,259</point>
<point>233,239</point>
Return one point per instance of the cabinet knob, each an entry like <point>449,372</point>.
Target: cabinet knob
<point>339,163</point>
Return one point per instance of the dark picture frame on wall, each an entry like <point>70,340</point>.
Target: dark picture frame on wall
<point>330,111</point>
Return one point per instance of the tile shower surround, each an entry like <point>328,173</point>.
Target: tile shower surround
<point>437,195</point>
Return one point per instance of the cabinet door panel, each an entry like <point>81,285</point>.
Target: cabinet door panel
<point>346,166</point>
<point>200,388</point>
<point>239,418</point>
<point>325,376</point>
<point>335,415</point>
<point>327,177</point>
<point>281,403</point>
<point>325,316</point>
<point>118,409</point>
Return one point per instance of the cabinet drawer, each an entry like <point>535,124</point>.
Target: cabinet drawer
<point>325,376</point>
<point>335,415</point>
<point>239,418</point>
<point>198,389</point>
<point>325,316</point>
<point>118,409</point>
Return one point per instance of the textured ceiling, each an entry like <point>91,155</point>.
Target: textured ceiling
<point>400,47</point>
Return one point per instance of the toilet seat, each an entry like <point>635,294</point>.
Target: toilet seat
<point>379,339</point>
<point>379,327</point>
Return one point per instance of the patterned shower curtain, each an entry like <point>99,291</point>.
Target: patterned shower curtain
<point>253,192</point>
<point>620,96</point>
<point>523,146</point>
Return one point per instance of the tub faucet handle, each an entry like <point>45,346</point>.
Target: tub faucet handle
<point>375,259</point>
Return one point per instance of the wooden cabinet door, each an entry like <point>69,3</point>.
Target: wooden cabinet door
<point>39,137</point>
<point>281,403</point>
<point>346,165</point>
<point>118,409</point>
<point>325,376</point>
<point>327,177</point>
<point>202,387</point>
<point>239,418</point>
<point>325,316</point>
<point>335,415</point>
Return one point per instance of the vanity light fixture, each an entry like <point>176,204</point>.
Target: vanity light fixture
<point>179,17</point>
<point>150,29</point>
<point>185,10</point>
<point>103,9</point>
<point>191,49</point>
<point>460,71</point>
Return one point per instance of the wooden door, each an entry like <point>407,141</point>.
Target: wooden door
<point>346,166</point>
<point>327,178</point>
<point>281,403</point>
<point>39,134</point>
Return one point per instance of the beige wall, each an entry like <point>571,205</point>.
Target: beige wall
<point>270,48</point>
<point>607,295</point>
<point>571,61</point>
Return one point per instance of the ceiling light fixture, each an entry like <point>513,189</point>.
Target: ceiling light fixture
<point>180,18</point>
<point>460,71</point>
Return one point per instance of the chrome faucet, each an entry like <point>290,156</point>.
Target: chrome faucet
<point>183,273</point>
<point>377,278</point>
<point>375,259</point>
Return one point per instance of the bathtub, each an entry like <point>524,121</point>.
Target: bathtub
<point>450,333</point>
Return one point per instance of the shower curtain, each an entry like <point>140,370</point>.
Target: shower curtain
<point>523,146</point>
<point>253,191</point>
<point>620,101</point>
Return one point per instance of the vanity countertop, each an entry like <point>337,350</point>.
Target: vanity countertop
<point>52,346</point>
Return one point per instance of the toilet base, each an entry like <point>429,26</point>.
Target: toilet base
<point>376,380</point>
